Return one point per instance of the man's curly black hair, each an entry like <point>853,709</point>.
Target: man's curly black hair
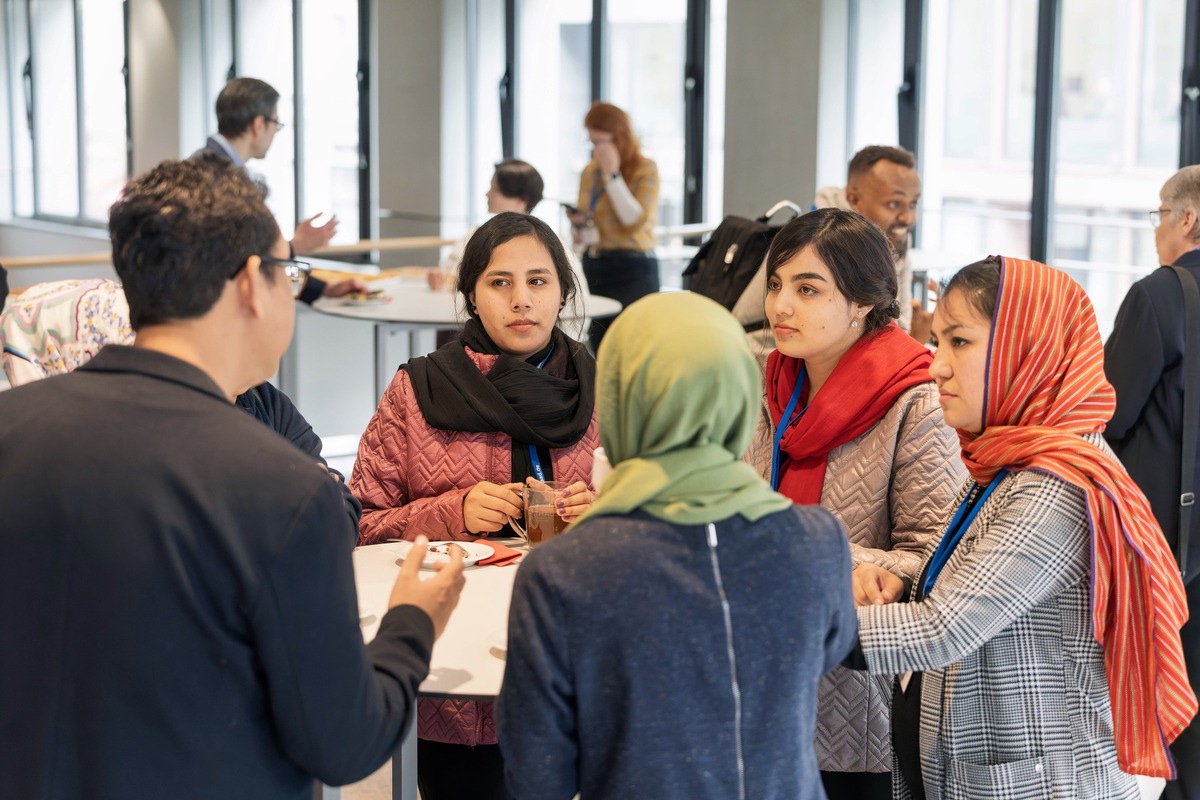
<point>180,230</point>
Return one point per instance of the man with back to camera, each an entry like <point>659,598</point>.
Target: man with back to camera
<point>1144,361</point>
<point>247,121</point>
<point>882,184</point>
<point>178,615</point>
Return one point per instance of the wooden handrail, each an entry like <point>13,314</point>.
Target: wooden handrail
<point>56,261</point>
<point>363,246</point>
<point>395,243</point>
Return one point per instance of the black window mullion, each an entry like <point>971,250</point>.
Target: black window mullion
<point>472,48</point>
<point>128,93</point>
<point>298,107</point>
<point>909,96</point>
<point>1045,103</point>
<point>10,37</point>
<point>1189,107</point>
<point>508,83</point>
<point>694,96</point>
<point>80,142</point>
<point>234,34</point>
<point>31,105</point>
<point>599,57</point>
<point>364,119</point>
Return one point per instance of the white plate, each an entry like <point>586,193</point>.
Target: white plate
<point>381,300</point>
<point>438,554</point>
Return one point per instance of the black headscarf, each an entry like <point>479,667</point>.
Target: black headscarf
<point>548,407</point>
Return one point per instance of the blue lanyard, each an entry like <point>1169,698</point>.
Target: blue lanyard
<point>963,517</point>
<point>536,462</point>
<point>785,422</point>
<point>597,191</point>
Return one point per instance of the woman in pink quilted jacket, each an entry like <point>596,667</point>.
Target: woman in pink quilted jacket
<point>858,429</point>
<point>459,432</point>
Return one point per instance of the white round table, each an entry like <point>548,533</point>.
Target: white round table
<point>467,662</point>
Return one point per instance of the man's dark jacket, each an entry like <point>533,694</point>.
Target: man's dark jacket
<point>1143,359</point>
<point>178,616</point>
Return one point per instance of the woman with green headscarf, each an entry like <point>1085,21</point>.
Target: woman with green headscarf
<point>670,644</point>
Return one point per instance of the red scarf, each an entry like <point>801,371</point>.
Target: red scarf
<point>1045,389</point>
<point>862,388</point>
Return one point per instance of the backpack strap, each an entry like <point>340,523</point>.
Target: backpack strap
<point>1191,411</point>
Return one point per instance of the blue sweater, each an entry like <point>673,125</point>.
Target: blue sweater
<point>620,677</point>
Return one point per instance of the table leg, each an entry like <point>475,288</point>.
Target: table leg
<point>385,357</point>
<point>323,792</point>
<point>404,768</point>
<point>422,341</point>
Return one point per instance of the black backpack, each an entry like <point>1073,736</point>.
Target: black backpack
<point>725,266</point>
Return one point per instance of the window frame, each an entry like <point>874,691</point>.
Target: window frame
<point>23,88</point>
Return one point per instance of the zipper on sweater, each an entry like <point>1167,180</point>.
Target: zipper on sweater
<point>734,685</point>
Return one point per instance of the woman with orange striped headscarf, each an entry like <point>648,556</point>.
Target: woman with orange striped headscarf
<point>1046,621</point>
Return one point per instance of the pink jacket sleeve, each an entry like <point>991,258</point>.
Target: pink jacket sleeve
<point>381,478</point>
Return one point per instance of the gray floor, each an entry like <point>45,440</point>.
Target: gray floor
<point>376,787</point>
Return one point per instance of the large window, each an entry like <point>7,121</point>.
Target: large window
<point>645,78</point>
<point>1118,139</point>
<point>66,107</point>
<point>976,157</point>
<point>1113,139</point>
<point>313,166</point>
<point>268,54</point>
<point>102,56</point>
<point>554,92</point>
<point>329,77</point>
<point>876,65</point>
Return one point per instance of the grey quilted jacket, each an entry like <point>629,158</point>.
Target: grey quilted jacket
<point>892,488</point>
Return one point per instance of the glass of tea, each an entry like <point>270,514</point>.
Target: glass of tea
<point>542,521</point>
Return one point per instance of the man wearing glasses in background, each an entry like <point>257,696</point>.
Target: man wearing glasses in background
<point>247,121</point>
<point>1144,361</point>
<point>178,614</point>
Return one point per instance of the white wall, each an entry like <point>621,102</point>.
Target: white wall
<point>785,107</point>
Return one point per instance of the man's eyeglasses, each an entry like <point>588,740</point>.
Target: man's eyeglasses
<point>295,271</point>
<point>278,125</point>
<point>1156,216</point>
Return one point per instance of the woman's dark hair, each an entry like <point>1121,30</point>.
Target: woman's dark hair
<point>180,230</point>
<point>519,179</point>
<point>979,283</point>
<point>505,227</point>
<point>855,251</point>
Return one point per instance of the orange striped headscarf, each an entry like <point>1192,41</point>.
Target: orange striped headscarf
<point>1045,388</point>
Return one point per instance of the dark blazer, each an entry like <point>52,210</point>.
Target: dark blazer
<point>314,287</point>
<point>178,615</point>
<point>1143,359</point>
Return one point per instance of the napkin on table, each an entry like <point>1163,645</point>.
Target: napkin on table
<point>502,554</point>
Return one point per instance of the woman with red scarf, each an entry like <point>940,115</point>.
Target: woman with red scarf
<point>858,430</point>
<point>1039,650</point>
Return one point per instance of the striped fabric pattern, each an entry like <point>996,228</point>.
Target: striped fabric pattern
<point>1045,390</point>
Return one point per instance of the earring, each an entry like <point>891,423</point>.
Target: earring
<point>475,310</point>
<point>854,324</point>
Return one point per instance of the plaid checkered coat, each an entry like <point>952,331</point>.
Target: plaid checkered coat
<point>1014,699</point>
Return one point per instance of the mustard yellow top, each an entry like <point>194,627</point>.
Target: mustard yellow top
<point>614,235</point>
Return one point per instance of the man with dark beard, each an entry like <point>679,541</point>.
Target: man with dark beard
<point>882,184</point>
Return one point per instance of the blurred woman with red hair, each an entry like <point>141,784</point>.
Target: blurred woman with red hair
<point>618,205</point>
